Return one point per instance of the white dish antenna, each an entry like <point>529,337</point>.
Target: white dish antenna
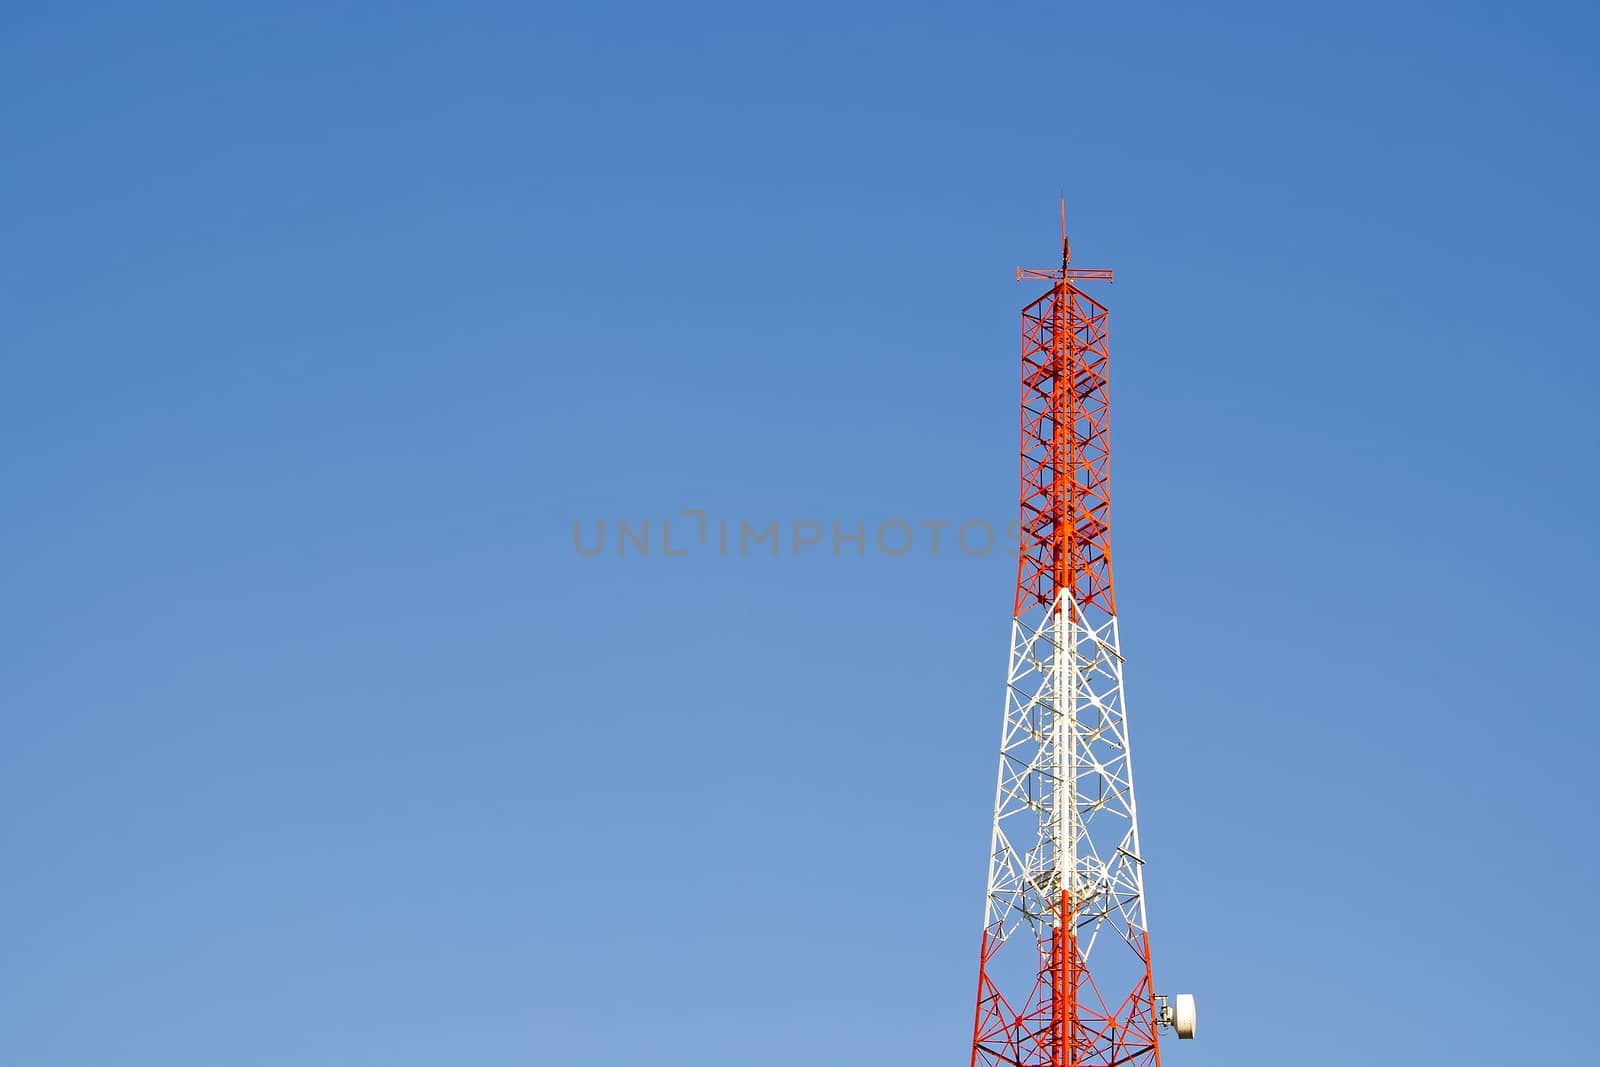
<point>1183,1015</point>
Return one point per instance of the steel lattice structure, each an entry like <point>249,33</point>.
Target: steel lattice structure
<point>1064,976</point>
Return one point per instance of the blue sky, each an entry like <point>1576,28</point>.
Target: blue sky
<point>322,324</point>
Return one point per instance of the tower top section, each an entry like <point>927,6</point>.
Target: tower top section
<point>1066,445</point>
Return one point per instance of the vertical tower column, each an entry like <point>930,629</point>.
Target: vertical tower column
<point>1064,974</point>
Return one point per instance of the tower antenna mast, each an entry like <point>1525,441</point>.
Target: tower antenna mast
<point>1064,975</point>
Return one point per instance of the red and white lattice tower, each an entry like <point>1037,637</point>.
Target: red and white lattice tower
<point>1064,976</point>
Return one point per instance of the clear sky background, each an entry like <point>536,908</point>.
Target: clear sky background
<point>320,326</point>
